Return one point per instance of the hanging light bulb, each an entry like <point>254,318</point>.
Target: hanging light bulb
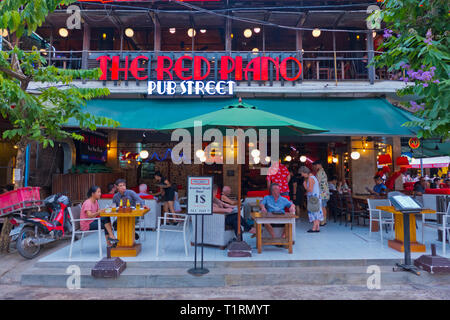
<point>303,158</point>
<point>256,160</point>
<point>288,158</point>
<point>172,30</point>
<point>143,154</point>
<point>203,159</point>
<point>247,33</point>
<point>255,153</point>
<point>267,159</point>
<point>63,32</point>
<point>335,160</point>
<point>129,32</point>
<point>257,30</point>
<point>200,153</point>
<point>191,32</point>
<point>255,50</point>
<point>316,33</point>
<point>202,30</point>
<point>355,155</point>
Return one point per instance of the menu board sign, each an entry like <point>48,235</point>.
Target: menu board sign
<point>200,195</point>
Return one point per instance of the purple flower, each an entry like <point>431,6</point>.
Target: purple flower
<point>416,107</point>
<point>425,85</point>
<point>387,33</point>
<point>436,81</point>
<point>428,40</point>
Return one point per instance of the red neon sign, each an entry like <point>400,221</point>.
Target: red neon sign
<point>169,69</point>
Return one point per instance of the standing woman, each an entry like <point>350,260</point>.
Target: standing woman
<point>91,209</point>
<point>167,192</point>
<point>311,185</point>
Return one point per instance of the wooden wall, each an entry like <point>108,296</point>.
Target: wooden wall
<point>76,185</point>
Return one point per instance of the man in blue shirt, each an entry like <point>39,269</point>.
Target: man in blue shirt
<point>379,188</point>
<point>275,203</point>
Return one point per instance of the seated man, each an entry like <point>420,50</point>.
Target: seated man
<point>225,197</point>
<point>420,186</point>
<point>231,219</point>
<point>379,188</point>
<point>143,190</point>
<point>125,194</point>
<point>275,203</point>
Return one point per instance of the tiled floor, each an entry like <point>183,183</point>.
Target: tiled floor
<point>333,242</point>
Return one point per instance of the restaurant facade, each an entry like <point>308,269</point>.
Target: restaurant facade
<point>169,61</point>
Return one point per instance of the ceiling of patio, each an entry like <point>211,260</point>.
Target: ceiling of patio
<point>100,18</point>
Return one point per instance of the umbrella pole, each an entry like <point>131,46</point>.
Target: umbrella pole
<point>239,235</point>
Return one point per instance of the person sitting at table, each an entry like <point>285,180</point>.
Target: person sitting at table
<point>436,183</point>
<point>91,209</point>
<point>231,218</point>
<point>420,186</point>
<point>274,202</point>
<point>379,188</point>
<point>143,190</point>
<point>225,197</point>
<point>112,188</point>
<point>125,194</point>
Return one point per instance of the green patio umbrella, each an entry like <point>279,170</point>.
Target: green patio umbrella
<point>243,116</point>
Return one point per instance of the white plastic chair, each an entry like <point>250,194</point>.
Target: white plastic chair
<point>382,217</point>
<point>181,227</point>
<point>74,221</point>
<point>444,227</point>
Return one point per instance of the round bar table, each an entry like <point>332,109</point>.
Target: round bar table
<point>126,222</point>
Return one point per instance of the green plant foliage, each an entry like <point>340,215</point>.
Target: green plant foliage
<point>416,45</point>
<point>42,113</point>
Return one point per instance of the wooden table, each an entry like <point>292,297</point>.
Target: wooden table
<point>288,219</point>
<point>362,198</point>
<point>125,232</point>
<point>397,244</point>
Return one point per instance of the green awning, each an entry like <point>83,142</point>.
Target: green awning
<point>341,116</point>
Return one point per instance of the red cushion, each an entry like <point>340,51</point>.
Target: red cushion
<point>135,189</point>
<point>253,194</point>
<point>438,191</point>
<point>107,196</point>
<point>148,197</point>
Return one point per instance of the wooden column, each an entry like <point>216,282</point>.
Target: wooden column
<point>228,34</point>
<point>397,152</point>
<point>157,35</point>
<point>370,56</point>
<point>299,40</point>
<point>86,45</point>
<point>112,154</point>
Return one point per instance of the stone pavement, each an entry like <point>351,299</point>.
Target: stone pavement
<point>13,265</point>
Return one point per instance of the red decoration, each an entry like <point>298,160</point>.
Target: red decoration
<point>414,143</point>
<point>386,169</point>
<point>402,161</point>
<point>384,159</point>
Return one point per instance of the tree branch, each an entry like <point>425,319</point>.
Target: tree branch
<point>15,74</point>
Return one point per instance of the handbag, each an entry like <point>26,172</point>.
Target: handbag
<point>313,204</point>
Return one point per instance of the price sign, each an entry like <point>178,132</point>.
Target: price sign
<point>199,195</point>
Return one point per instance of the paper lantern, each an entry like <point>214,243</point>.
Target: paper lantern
<point>384,159</point>
<point>402,161</point>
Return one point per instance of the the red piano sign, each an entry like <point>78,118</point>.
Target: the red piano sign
<point>257,69</point>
